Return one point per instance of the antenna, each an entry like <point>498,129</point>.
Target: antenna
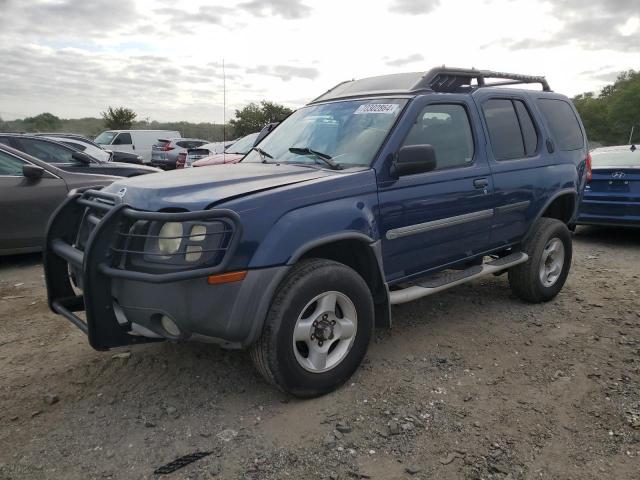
<point>224,109</point>
<point>631,134</point>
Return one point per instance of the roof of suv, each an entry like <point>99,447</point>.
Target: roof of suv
<point>440,79</point>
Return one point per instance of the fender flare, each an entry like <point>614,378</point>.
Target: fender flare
<point>553,198</point>
<point>382,305</point>
<point>334,237</point>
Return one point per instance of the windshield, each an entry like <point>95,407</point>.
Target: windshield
<point>348,132</point>
<point>243,145</point>
<point>622,158</point>
<point>105,138</point>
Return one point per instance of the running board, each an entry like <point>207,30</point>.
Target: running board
<point>449,280</point>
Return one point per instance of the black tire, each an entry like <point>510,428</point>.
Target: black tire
<point>525,279</point>
<point>273,353</point>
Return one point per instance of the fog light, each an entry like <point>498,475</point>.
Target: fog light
<point>194,252</point>
<point>170,326</point>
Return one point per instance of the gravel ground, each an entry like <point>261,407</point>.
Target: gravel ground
<point>470,384</point>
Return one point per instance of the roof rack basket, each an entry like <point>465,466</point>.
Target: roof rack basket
<point>443,79</point>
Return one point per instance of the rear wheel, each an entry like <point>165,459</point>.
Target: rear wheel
<point>317,330</point>
<point>542,277</point>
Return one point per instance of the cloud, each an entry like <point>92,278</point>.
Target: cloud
<point>592,24</point>
<point>208,14</point>
<point>401,62</point>
<point>289,9</point>
<point>285,72</point>
<point>79,81</point>
<point>605,74</point>
<point>413,7</point>
<point>66,18</point>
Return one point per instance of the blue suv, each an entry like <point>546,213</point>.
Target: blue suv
<point>378,192</point>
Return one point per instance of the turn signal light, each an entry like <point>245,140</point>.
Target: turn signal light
<point>588,166</point>
<point>226,277</point>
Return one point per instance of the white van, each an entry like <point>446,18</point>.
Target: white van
<point>135,141</point>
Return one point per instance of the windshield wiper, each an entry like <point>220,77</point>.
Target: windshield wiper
<point>322,156</point>
<point>263,154</point>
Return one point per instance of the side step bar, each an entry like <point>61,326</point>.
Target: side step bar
<point>456,278</point>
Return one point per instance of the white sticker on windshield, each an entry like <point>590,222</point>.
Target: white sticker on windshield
<point>376,108</point>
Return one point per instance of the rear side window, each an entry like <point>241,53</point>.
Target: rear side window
<point>46,151</point>
<point>529,134</point>
<point>10,166</point>
<point>504,129</point>
<point>446,127</point>
<point>190,143</point>
<point>122,139</point>
<point>562,122</point>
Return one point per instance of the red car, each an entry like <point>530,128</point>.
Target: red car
<point>233,154</point>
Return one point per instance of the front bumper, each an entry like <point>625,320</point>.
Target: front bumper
<point>123,302</point>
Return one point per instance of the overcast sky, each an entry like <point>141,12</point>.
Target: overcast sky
<point>73,58</point>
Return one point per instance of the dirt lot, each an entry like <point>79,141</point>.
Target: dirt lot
<point>469,384</point>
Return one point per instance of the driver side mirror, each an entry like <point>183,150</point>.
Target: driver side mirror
<point>81,157</point>
<point>32,172</point>
<point>414,159</point>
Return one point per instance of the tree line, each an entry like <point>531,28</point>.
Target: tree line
<point>247,120</point>
<point>610,115</point>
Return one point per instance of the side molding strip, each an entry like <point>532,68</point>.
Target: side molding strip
<point>512,207</point>
<point>436,224</point>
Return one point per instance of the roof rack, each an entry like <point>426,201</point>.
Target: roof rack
<point>443,79</point>
<point>440,79</point>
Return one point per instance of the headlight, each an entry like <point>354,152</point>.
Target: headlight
<point>168,244</point>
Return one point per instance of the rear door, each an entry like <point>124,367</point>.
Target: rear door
<point>517,159</point>
<point>26,204</point>
<point>434,219</point>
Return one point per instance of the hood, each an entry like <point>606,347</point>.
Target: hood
<point>197,188</point>
<point>219,159</point>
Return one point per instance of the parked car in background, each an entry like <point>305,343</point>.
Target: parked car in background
<point>30,190</point>
<point>115,156</point>
<point>133,141</point>
<point>202,151</point>
<point>233,154</point>
<point>165,151</point>
<point>233,149</point>
<point>236,152</point>
<point>82,146</point>
<point>68,158</point>
<point>612,194</point>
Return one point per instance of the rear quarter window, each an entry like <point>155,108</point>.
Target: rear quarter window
<point>562,122</point>
<point>504,129</point>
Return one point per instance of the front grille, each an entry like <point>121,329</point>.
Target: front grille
<point>134,242</point>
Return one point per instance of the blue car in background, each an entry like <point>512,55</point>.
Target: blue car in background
<point>612,196</point>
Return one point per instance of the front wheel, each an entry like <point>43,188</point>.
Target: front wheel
<point>542,277</point>
<point>317,330</point>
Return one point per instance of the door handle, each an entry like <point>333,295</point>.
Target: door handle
<point>481,183</point>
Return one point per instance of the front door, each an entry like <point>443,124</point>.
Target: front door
<point>26,203</point>
<point>434,219</point>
